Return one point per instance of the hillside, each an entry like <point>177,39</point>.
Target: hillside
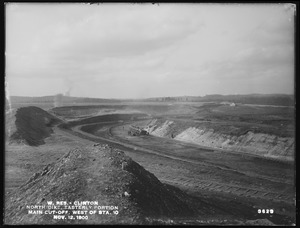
<point>59,100</point>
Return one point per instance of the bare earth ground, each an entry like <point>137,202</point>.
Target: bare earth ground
<point>212,174</point>
<point>237,185</point>
<point>22,161</point>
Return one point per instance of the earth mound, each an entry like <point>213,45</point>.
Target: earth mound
<point>33,125</point>
<point>103,174</point>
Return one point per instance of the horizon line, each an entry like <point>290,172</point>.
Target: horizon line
<point>213,94</point>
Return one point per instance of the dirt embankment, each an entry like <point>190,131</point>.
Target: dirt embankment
<point>248,141</point>
<point>104,118</point>
<point>100,174</point>
<point>32,126</point>
<point>72,112</point>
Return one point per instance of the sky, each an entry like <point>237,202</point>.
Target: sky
<point>124,50</point>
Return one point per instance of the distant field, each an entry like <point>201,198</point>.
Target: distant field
<point>271,120</point>
<point>258,99</point>
<point>156,109</point>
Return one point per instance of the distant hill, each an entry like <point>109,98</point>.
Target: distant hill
<point>59,100</point>
<point>260,99</point>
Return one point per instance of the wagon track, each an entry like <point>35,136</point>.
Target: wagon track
<point>194,183</point>
<point>230,189</point>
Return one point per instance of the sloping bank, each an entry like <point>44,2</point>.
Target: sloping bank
<point>111,181</point>
<point>98,173</point>
<point>232,138</point>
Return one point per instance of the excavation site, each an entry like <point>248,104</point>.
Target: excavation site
<point>155,162</point>
<point>150,114</point>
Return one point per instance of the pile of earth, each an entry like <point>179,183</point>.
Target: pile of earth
<point>32,126</point>
<point>98,173</point>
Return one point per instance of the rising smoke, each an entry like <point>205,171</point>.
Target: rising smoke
<point>68,83</point>
<point>68,93</point>
<point>58,100</point>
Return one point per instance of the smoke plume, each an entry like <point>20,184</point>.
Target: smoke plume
<point>58,100</point>
<point>68,93</point>
<point>69,85</point>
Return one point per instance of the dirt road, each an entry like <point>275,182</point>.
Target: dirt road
<point>191,182</point>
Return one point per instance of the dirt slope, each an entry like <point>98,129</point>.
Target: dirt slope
<point>32,125</point>
<point>206,134</point>
<point>101,174</point>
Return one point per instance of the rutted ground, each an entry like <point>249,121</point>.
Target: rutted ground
<point>201,180</point>
<point>270,180</point>
<point>199,175</point>
<point>168,171</point>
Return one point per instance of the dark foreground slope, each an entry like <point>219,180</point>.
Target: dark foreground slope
<point>33,125</point>
<point>98,174</point>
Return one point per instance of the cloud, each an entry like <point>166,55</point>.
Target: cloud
<point>121,36</point>
<point>95,38</point>
<point>107,50</point>
<point>278,31</point>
